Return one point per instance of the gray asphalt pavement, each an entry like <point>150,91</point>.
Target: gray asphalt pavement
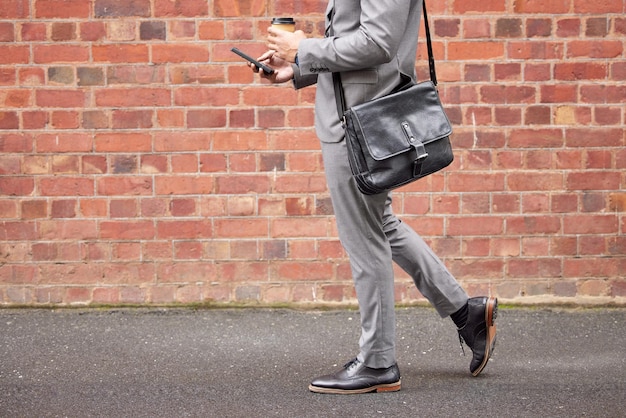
<point>258,363</point>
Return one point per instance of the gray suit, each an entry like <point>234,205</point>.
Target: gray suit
<point>370,43</point>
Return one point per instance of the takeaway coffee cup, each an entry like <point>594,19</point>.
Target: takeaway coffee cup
<point>284,23</point>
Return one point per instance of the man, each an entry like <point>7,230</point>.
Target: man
<point>370,42</point>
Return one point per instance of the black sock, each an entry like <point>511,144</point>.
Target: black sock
<point>460,316</point>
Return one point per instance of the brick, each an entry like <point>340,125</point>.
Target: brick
<point>127,230</point>
<point>603,137</point>
<point>64,164</point>
<point>538,27</point>
<point>114,8</point>
<point>191,229</point>
<point>8,76</point>
<point>211,30</point>
<point>9,120</point>
<point>508,94</point>
<point>63,31</point>
<point>508,28</point>
<point>476,28</point>
<point>152,30</point>
<point>590,180</point>
<point>475,50</point>
<point>132,295</point>
<point>69,142</point>
<point>32,31</point>
<point>595,49</point>
<point>559,94</point>
<point>598,26</point>
<point>184,163</point>
<point>227,8</point>
<point>179,53</point>
<point>580,71</point>
<point>177,8</point>
<point>106,295</point>
<point>15,9</point>
<point>92,31</point>
<point>31,76</point>
<point>61,75</point>
<point>127,186</point>
<point>538,6</point>
<point>14,55</point>
<point>62,9</point>
<point>48,54</point>
<point>10,165</point>
<point>16,98</point>
<point>19,295</point>
<point>243,163</point>
<point>64,120</point>
<point>531,181</point>
<point>66,186</point>
<point>185,141</point>
<point>600,6</point>
<point>121,53</point>
<point>137,97</point>
<point>16,186</point>
<point>135,74</point>
<point>137,119</point>
<point>241,118</point>
<point>527,225</point>
<point>95,119</point>
<point>87,76</point>
<point>206,96</point>
<point>618,288</point>
<point>35,120</point>
<point>507,71</point>
<point>534,267</point>
<point>7,32</point>
<point>240,30</point>
<point>122,142</point>
<point>60,98</point>
<point>211,118</point>
<point>184,185</point>
<point>564,289</point>
<point>49,295</point>
<point>182,30</point>
<point>486,6</point>
<point>93,208</point>
<point>538,115</point>
<point>447,27</point>
<point>167,118</point>
<point>122,30</point>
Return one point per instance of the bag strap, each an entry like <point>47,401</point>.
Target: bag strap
<point>339,94</point>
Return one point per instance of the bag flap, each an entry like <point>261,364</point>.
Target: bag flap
<point>380,121</point>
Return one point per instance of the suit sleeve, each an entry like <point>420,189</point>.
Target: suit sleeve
<point>301,81</point>
<point>378,31</point>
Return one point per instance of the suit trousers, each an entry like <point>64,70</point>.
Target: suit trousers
<point>373,238</point>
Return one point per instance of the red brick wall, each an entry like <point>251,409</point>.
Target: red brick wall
<point>141,161</point>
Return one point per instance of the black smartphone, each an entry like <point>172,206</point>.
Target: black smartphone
<point>267,70</point>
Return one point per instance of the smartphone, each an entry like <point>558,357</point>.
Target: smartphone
<point>267,70</point>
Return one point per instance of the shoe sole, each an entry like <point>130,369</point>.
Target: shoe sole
<point>387,387</point>
<point>490,319</point>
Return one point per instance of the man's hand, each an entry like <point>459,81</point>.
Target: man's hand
<point>283,71</point>
<point>285,44</point>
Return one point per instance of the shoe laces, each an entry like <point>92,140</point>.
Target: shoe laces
<point>351,363</point>
<point>461,341</point>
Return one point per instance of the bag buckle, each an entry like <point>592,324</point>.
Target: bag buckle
<point>419,148</point>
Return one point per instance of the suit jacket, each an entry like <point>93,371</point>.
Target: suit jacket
<point>371,42</point>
